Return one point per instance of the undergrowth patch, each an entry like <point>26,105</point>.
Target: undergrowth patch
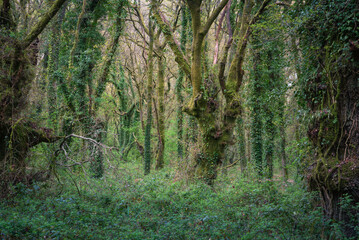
<point>159,207</point>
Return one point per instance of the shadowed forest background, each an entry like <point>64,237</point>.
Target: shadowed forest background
<point>196,119</point>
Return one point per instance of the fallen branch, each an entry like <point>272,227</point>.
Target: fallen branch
<point>87,139</point>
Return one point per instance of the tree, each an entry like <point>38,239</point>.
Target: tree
<point>256,113</point>
<point>330,94</point>
<point>203,105</point>
<point>18,134</point>
<point>147,150</point>
<point>179,83</point>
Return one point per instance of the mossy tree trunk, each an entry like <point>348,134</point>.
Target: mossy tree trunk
<point>17,134</point>
<point>179,83</point>
<point>99,126</point>
<point>330,91</point>
<point>159,48</point>
<point>53,63</point>
<point>335,135</point>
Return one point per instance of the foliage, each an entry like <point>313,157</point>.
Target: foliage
<point>161,207</point>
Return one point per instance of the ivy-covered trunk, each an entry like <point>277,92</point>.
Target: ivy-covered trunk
<point>331,93</point>
<point>179,83</point>
<point>283,155</point>
<point>147,148</point>
<point>269,143</point>
<point>256,114</point>
<point>334,132</point>
<point>216,136</point>
<point>161,113</point>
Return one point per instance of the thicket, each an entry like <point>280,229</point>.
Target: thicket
<point>156,207</point>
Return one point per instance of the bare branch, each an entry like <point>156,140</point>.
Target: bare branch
<point>283,4</point>
<point>87,139</point>
<point>141,21</point>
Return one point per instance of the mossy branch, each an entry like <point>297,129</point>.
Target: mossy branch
<point>40,26</point>
<point>212,17</point>
<point>174,45</point>
<point>235,74</point>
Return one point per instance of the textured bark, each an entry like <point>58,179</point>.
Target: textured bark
<point>331,92</point>
<point>15,141</point>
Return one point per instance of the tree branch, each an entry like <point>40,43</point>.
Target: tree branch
<point>172,42</point>
<point>87,139</point>
<point>213,17</point>
<point>141,21</point>
<point>259,12</point>
<point>283,4</point>
<point>40,26</point>
<point>219,28</point>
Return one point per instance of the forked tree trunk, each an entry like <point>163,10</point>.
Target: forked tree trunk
<point>216,131</point>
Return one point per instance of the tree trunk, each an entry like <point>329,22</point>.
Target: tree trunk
<point>283,143</point>
<point>17,136</point>
<point>256,115</point>
<point>161,113</point>
<point>147,150</point>
<point>269,143</point>
<point>215,138</point>
<point>242,145</point>
<point>335,134</point>
<point>179,83</point>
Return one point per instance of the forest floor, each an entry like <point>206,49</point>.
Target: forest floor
<point>163,206</point>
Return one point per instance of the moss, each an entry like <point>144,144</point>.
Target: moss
<point>18,74</point>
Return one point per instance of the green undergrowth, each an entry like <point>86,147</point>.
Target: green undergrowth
<point>161,207</point>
